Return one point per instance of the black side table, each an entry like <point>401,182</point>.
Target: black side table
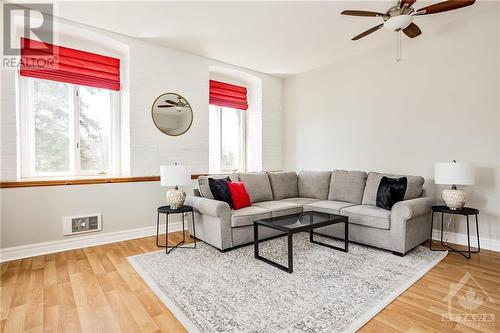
<point>465,211</point>
<point>167,211</point>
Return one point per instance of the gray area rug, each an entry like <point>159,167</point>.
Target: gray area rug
<point>329,290</point>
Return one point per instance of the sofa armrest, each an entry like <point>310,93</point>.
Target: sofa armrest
<point>213,221</point>
<point>410,224</point>
<point>409,209</point>
<point>209,207</point>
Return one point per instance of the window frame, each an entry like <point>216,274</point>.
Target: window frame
<point>27,135</point>
<point>242,122</point>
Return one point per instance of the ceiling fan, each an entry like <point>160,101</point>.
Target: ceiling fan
<point>179,105</point>
<point>400,17</point>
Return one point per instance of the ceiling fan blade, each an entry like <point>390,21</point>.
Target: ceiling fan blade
<point>369,31</point>
<point>165,106</point>
<point>171,102</point>
<point>412,30</point>
<point>408,3</point>
<point>445,6</point>
<point>362,13</point>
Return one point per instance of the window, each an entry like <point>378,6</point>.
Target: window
<point>67,129</point>
<point>227,139</point>
<point>227,146</point>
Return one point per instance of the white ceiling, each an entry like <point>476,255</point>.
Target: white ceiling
<point>280,38</point>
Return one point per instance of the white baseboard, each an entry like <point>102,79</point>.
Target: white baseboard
<point>71,243</point>
<point>461,239</point>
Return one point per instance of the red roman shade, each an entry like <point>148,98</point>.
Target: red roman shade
<point>228,95</point>
<point>51,62</point>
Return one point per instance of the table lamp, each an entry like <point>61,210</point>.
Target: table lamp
<point>175,175</point>
<point>454,173</point>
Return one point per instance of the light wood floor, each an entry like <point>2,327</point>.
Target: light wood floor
<point>96,290</point>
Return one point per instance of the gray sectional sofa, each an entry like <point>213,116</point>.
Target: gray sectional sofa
<point>350,193</point>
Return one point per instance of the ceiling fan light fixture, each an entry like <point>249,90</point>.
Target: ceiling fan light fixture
<point>397,23</point>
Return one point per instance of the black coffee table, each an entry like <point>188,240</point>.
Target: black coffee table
<point>295,223</point>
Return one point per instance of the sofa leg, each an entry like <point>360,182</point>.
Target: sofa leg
<point>399,254</point>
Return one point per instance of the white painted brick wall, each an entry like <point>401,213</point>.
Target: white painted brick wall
<point>272,113</point>
<point>8,126</point>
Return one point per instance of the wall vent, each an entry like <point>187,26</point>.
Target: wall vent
<point>81,224</point>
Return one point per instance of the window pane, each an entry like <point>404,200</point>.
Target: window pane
<point>95,125</point>
<point>231,139</point>
<point>213,139</point>
<point>51,112</point>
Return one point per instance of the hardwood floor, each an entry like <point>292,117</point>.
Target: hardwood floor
<point>96,290</point>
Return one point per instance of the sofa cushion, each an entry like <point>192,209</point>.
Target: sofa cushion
<point>327,206</point>
<point>347,186</point>
<point>314,184</point>
<point>414,187</point>
<point>246,216</point>
<point>257,185</point>
<point>205,188</point>
<point>367,215</point>
<point>280,208</point>
<point>284,184</point>
<point>300,201</point>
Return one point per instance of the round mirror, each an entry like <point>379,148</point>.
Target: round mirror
<point>172,114</point>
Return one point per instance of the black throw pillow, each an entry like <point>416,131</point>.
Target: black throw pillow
<point>390,191</point>
<point>220,191</point>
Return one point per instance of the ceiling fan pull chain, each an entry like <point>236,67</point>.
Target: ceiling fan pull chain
<point>399,52</point>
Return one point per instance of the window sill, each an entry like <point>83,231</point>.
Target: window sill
<point>66,178</point>
<point>79,181</point>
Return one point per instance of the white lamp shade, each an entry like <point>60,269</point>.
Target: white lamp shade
<point>174,175</point>
<point>454,173</point>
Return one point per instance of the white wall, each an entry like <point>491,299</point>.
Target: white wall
<point>441,103</point>
<point>31,215</point>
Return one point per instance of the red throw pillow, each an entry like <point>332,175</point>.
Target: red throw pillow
<point>239,195</point>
